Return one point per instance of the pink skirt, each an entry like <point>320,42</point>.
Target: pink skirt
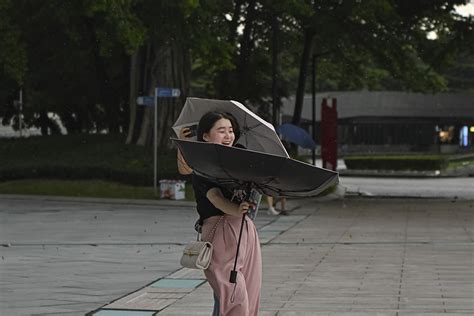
<point>242,298</point>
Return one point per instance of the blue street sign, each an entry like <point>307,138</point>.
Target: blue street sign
<point>146,101</point>
<point>162,92</point>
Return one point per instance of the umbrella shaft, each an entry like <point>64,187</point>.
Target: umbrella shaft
<point>233,273</point>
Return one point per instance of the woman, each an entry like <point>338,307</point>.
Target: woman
<point>222,218</point>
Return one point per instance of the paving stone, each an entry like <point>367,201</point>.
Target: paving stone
<point>123,313</point>
<point>351,257</point>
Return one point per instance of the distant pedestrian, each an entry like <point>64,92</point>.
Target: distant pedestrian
<point>271,201</point>
<point>272,206</point>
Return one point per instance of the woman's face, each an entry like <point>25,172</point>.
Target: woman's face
<point>221,133</point>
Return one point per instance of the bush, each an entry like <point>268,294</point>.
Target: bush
<point>83,156</point>
<point>420,163</point>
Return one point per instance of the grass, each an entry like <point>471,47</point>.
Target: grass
<point>83,165</point>
<point>461,164</point>
<point>82,188</point>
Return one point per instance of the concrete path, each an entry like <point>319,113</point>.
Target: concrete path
<point>345,257</point>
<point>460,188</point>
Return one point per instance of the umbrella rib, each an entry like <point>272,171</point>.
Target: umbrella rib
<point>248,130</point>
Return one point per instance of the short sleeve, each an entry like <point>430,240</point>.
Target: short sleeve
<point>202,185</point>
<point>204,207</point>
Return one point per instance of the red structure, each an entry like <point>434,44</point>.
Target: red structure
<point>329,133</point>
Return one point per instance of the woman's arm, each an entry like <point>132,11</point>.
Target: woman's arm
<point>183,167</point>
<point>221,202</point>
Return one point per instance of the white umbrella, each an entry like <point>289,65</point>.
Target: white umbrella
<point>255,133</point>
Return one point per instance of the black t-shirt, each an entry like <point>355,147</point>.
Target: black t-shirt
<point>204,207</point>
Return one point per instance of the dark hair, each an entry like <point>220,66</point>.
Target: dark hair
<point>208,120</point>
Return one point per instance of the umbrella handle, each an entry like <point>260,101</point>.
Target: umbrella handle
<point>233,273</point>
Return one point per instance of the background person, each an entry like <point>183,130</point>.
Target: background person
<point>282,200</point>
<point>271,206</point>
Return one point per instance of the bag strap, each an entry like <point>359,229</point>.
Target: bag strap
<point>213,232</point>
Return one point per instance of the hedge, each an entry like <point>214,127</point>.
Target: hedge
<point>83,156</point>
<point>407,162</point>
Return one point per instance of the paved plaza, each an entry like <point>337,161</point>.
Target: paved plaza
<point>343,257</point>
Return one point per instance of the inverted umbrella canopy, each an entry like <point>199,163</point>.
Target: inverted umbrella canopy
<point>271,174</point>
<point>296,135</point>
<point>255,133</point>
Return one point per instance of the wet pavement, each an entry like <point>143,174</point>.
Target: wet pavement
<point>349,256</point>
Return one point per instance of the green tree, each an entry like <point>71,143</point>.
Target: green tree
<point>13,61</point>
<point>88,60</point>
<point>378,44</point>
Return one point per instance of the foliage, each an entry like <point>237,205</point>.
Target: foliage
<point>411,162</point>
<point>13,52</point>
<point>385,44</point>
<point>83,157</point>
<point>87,60</point>
<point>82,188</point>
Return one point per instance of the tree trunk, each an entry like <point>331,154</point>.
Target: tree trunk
<point>171,67</point>
<point>275,97</point>
<point>234,23</point>
<point>149,84</point>
<point>43,123</point>
<point>169,75</point>
<point>106,96</point>
<point>133,95</point>
<point>245,51</point>
<point>146,131</point>
<point>308,46</point>
<point>224,81</point>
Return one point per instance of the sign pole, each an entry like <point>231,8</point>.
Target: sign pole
<point>160,92</point>
<point>155,145</point>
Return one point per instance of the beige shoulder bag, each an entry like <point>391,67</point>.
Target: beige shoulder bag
<point>198,254</point>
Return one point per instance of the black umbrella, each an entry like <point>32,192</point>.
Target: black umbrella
<point>270,174</point>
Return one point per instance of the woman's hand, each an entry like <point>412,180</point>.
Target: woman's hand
<point>184,133</point>
<point>243,208</point>
<point>183,167</point>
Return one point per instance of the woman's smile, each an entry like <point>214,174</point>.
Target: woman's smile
<point>221,133</point>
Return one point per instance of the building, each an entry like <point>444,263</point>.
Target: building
<point>387,121</point>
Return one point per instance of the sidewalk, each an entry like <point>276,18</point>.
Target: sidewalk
<point>460,172</point>
<point>344,257</point>
<point>467,171</point>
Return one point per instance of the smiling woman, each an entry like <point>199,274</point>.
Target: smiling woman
<point>221,213</point>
